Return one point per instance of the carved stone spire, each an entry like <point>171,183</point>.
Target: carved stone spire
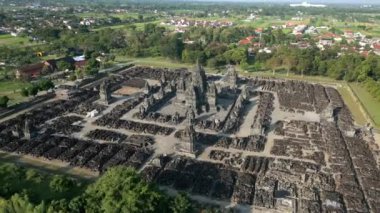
<point>231,76</point>
<point>190,116</point>
<point>212,95</point>
<point>163,77</point>
<point>28,129</point>
<point>105,93</point>
<point>147,89</point>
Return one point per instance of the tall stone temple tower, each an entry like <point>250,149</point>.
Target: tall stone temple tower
<point>105,93</point>
<point>231,77</point>
<point>212,96</point>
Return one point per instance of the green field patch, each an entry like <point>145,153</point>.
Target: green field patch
<point>371,105</point>
<point>353,105</point>
<point>12,88</point>
<point>38,184</point>
<point>9,40</point>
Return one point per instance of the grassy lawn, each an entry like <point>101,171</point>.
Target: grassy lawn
<point>139,26</point>
<point>371,105</point>
<point>268,21</point>
<point>104,15</point>
<point>36,183</point>
<point>282,74</point>
<point>358,115</point>
<point>160,62</point>
<point>12,90</point>
<point>153,61</point>
<point>9,40</point>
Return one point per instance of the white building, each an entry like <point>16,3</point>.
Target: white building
<point>305,4</point>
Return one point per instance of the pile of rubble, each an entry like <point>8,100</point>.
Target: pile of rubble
<point>88,106</point>
<point>229,159</point>
<point>140,141</point>
<point>251,143</point>
<point>154,73</point>
<point>86,154</point>
<point>106,135</point>
<point>235,116</point>
<point>302,140</point>
<point>65,125</point>
<point>262,119</point>
<point>117,112</point>
<point>174,119</point>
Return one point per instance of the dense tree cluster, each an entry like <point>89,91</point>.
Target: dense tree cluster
<point>348,66</point>
<point>120,189</point>
<point>33,89</point>
<point>4,101</point>
<point>17,56</point>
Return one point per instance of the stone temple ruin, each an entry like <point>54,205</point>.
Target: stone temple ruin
<point>261,144</point>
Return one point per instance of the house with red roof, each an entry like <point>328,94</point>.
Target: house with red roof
<point>33,70</point>
<point>348,34</point>
<point>246,41</point>
<point>376,48</point>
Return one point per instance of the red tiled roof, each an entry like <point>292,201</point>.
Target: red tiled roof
<point>32,69</point>
<point>80,64</point>
<point>376,46</point>
<point>247,40</point>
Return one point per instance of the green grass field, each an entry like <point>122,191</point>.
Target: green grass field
<point>282,74</point>
<point>153,61</point>
<point>122,16</point>
<point>371,105</point>
<point>357,114</point>
<point>139,26</point>
<point>9,40</point>
<point>37,183</point>
<point>12,90</point>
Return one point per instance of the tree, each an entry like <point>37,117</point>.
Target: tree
<point>4,101</point>
<point>289,62</point>
<point>60,183</point>
<point>45,84</point>
<point>92,66</point>
<point>64,65</point>
<point>33,90</point>
<point>236,55</point>
<point>24,92</point>
<point>273,63</point>
<point>172,46</point>
<point>140,17</point>
<point>58,206</point>
<point>121,189</point>
<point>34,176</point>
<point>181,204</point>
<point>17,203</point>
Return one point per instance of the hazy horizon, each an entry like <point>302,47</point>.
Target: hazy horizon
<point>299,1</point>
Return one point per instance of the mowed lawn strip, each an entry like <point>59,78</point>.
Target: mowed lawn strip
<point>12,89</point>
<point>352,105</point>
<point>8,40</point>
<point>371,105</point>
